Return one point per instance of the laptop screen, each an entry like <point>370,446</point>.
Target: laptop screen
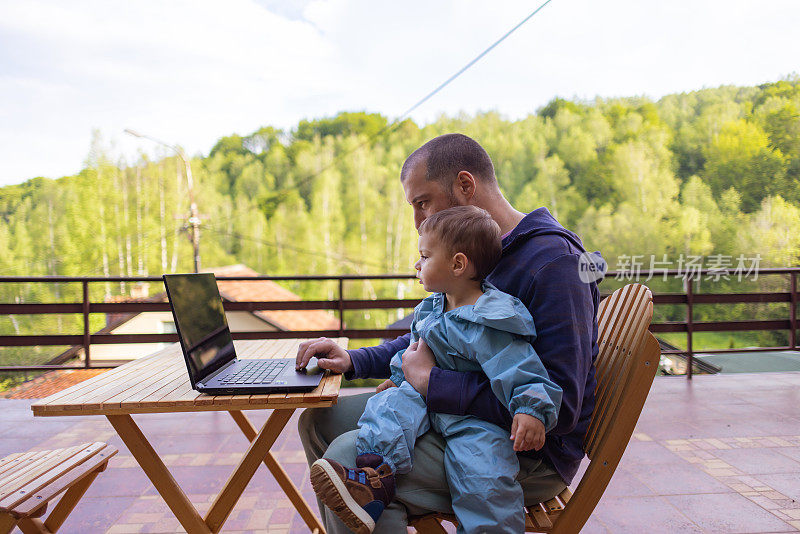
<point>200,322</point>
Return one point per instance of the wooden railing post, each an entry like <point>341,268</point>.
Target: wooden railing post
<point>341,306</point>
<point>86,338</point>
<point>793,313</point>
<point>689,326</point>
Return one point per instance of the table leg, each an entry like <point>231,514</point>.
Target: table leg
<point>237,482</point>
<point>158,474</point>
<point>291,491</point>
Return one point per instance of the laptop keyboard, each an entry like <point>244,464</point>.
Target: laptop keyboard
<point>256,372</point>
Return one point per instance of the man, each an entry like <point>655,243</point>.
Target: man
<point>540,265</point>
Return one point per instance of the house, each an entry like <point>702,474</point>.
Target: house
<point>239,321</point>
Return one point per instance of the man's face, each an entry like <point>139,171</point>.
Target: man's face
<point>426,196</point>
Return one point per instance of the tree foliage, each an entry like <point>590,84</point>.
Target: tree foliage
<point>715,171</point>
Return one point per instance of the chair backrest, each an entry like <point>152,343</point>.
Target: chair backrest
<point>622,321</point>
<point>625,367</point>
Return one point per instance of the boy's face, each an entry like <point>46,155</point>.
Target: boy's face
<point>435,265</point>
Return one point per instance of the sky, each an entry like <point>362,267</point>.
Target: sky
<point>190,72</point>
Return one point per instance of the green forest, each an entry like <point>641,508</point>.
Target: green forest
<point>703,173</point>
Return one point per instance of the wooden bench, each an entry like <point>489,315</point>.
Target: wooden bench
<point>625,367</point>
<point>29,481</point>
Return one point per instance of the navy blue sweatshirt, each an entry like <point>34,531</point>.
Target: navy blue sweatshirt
<point>540,266</point>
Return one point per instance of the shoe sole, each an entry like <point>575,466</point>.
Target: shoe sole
<point>332,492</point>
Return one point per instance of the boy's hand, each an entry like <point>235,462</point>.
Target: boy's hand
<point>386,384</point>
<point>527,432</point>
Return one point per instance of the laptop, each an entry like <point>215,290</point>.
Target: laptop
<point>208,346</point>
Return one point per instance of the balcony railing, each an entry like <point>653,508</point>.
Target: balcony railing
<point>689,297</point>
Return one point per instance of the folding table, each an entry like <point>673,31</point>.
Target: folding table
<point>159,383</point>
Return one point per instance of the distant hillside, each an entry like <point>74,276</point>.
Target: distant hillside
<point>715,171</point>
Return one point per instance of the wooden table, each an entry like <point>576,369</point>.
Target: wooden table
<point>159,383</point>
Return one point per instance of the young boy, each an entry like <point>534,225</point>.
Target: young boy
<point>470,326</point>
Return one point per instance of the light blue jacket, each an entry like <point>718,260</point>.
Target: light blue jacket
<point>492,336</point>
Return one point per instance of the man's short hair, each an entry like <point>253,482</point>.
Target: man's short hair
<point>469,230</point>
<point>447,155</point>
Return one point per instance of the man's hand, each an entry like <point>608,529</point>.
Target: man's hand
<point>386,384</point>
<point>527,432</point>
<point>329,355</point>
<point>418,361</point>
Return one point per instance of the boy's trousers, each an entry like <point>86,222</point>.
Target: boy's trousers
<point>479,459</point>
<point>332,433</point>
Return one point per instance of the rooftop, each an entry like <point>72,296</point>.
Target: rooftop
<point>720,453</point>
<point>266,290</point>
<point>754,362</point>
<point>49,383</point>
<point>230,291</point>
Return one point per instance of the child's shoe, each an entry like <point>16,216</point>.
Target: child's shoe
<point>358,496</point>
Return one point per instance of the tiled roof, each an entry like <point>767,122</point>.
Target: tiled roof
<point>231,290</point>
<point>49,383</point>
<point>267,290</point>
<point>244,290</point>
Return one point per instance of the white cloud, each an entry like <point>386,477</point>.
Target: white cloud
<point>190,72</point>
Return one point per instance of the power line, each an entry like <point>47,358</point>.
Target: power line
<point>391,126</point>
<point>59,260</point>
<point>338,257</point>
<point>387,129</point>
<point>148,238</point>
<point>471,63</point>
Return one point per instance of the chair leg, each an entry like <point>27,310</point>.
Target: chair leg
<point>7,523</point>
<point>429,525</point>
<point>69,500</point>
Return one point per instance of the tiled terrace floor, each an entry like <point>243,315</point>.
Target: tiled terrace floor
<point>718,454</point>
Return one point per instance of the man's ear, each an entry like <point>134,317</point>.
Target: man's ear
<point>460,264</point>
<point>464,186</point>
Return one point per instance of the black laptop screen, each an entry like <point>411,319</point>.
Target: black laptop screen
<point>200,320</point>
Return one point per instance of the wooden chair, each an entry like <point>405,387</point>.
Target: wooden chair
<point>29,481</point>
<point>625,368</point>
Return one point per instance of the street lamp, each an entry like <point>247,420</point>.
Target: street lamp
<point>194,218</point>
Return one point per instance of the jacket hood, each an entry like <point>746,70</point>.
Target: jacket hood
<point>536,223</point>
<point>541,222</point>
<point>498,310</point>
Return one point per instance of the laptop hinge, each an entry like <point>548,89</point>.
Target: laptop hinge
<point>215,373</point>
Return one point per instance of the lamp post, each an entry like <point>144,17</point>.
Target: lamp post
<point>194,218</point>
